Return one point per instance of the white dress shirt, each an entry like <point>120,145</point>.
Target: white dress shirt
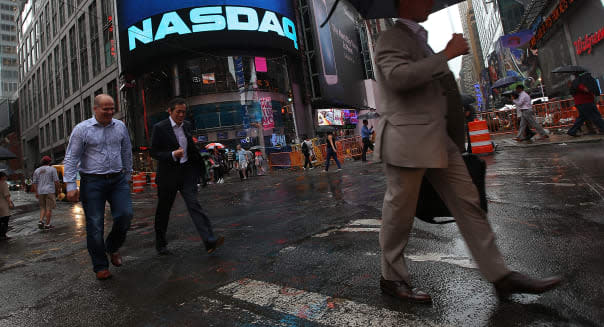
<point>182,140</point>
<point>523,102</point>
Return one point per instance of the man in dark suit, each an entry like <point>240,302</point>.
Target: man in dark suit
<point>179,166</point>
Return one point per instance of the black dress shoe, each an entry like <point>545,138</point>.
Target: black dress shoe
<point>515,283</point>
<point>402,291</point>
<point>163,251</point>
<point>211,247</point>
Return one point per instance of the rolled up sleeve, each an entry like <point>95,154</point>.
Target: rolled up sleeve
<point>72,158</point>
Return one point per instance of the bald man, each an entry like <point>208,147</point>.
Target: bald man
<point>100,147</point>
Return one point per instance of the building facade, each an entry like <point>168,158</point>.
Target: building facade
<point>67,55</point>
<point>490,29</point>
<point>9,65</point>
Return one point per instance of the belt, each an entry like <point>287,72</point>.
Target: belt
<point>106,176</point>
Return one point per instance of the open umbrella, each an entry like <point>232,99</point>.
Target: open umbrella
<point>369,115</point>
<point>5,154</point>
<point>257,147</point>
<point>370,9</point>
<point>569,69</point>
<point>214,145</point>
<point>506,81</point>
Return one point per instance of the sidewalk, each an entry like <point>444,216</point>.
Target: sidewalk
<point>507,140</point>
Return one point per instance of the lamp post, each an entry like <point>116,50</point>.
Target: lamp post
<point>541,86</point>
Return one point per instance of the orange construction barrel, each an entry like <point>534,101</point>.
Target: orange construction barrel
<point>138,183</point>
<point>152,180</point>
<point>480,138</point>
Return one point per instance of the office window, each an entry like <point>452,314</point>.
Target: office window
<point>65,66</point>
<point>68,126</point>
<point>108,37</point>
<point>70,7</point>
<point>58,75</point>
<point>61,127</point>
<point>99,91</point>
<point>77,114</point>
<point>83,49</point>
<point>73,54</point>
<point>87,108</point>
<point>47,133</point>
<point>47,21</point>
<point>44,88</point>
<point>42,140</point>
<point>112,91</point>
<point>95,51</point>
<point>53,16</point>
<point>51,93</point>
<point>54,130</point>
<point>62,12</point>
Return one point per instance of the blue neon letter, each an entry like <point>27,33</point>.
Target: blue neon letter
<point>270,22</point>
<point>233,14</point>
<point>171,23</point>
<point>207,19</point>
<point>145,35</point>
<point>289,28</point>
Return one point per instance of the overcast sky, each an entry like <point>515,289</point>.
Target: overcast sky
<point>440,32</point>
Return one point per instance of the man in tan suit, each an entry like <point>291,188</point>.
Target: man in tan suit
<point>421,134</point>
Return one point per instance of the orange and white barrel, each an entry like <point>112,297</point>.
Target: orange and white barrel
<point>480,138</point>
<point>152,179</point>
<point>138,183</point>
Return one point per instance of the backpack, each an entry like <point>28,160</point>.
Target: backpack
<point>305,148</point>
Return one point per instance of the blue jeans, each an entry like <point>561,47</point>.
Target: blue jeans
<point>334,155</point>
<point>94,192</point>
<point>590,112</point>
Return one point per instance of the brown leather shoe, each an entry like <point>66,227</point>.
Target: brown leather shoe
<point>116,259</point>
<point>103,274</point>
<point>402,291</point>
<point>515,283</point>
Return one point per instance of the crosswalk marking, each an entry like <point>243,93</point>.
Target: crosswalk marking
<point>316,307</point>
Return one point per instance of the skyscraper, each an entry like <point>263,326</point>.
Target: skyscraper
<point>9,63</point>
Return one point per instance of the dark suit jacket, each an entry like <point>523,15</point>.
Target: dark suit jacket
<point>163,142</point>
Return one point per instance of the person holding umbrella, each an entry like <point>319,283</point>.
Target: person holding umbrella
<point>413,141</point>
<point>584,90</point>
<point>5,205</point>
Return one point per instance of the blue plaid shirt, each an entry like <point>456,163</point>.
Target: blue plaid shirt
<point>97,149</point>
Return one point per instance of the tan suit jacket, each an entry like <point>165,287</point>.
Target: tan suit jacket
<point>420,103</point>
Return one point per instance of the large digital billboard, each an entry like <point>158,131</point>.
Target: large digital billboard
<point>339,60</point>
<point>154,29</point>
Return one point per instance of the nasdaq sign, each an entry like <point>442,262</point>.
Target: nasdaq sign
<point>155,29</point>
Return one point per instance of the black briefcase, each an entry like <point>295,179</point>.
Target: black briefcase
<point>430,205</point>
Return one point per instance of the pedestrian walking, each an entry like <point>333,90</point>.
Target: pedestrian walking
<point>5,205</point>
<point>584,89</point>
<point>251,166</point>
<point>259,161</point>
<point>307,152</point>
<point>242,162</point>
<point>332,152</point>
<point>366,133</point>
<point>100,149</point>
<point>523,103</point>
<point>179,164</point>
<point>46,186</point>
<point>230,158</point>
<point>413,141</point>
<point>217,166</point>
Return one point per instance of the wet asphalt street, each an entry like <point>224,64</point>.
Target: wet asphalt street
<point>302,250</point>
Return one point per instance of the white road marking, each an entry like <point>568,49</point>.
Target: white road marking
<point>366,222</point>
<point>316,307</point>
<point>355,226</point>
<point>439,257</point>
<point>359,229</point>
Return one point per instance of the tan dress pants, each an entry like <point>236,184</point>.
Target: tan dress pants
<point>455,187</point>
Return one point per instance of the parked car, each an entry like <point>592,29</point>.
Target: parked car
<point>13,185</point>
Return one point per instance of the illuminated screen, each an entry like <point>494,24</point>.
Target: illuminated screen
<point>330,117</point>
<point>154,29</point>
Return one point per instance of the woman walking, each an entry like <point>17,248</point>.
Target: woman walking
<point>5,205</point>
<point>332,152</point>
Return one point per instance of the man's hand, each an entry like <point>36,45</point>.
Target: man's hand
<point>179,153</point>
<point>458,46</point>
<point>73,196</point>
<point>37,196</point>
<point>11,205</point>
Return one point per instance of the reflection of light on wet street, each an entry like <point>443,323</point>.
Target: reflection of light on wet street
<point>78,215</point>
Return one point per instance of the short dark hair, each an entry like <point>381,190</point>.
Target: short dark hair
<point>2,174</point>
<point>365,121</point>
<point>520,86</point>
<point>175,102</point>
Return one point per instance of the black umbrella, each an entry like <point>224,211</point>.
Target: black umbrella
<point>467,99</point>
<point>257,147</point>
<point>570,69</point>
<point>371,9</point>
<point>369,115</point>
<point>506,81</point>
<point>5,154</point>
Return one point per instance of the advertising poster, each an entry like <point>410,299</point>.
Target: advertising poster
<point>340,60</point>
<point>208,78</point>
<point>330,117</point>
<point>267,113</point>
